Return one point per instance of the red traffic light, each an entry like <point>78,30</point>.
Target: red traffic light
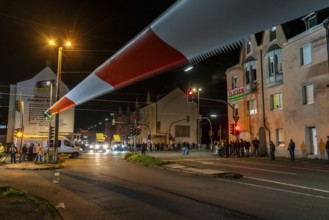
<point>190,95</point>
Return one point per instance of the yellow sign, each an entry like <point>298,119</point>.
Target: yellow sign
<point>100,137</point>
<point>116,137</point>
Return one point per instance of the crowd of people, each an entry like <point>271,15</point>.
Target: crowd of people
<point>28,152</point>
<point>238,148</point>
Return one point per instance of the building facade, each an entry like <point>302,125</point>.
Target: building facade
<point>29,99</point>
<point>280,90</point>
<point>169,120</point>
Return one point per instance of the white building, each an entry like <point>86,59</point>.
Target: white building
<point>28,101</point>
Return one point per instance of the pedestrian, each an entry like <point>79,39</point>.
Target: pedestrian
<point>291,149</point>
<point>242,145</point>
<point>38,152</point>
<point>327,148</point>
<point>31,152</point>
<point>2,150</point>
<point>247,147</point>
<point>23,154</point>
<point>143,148</point>
<point>12,151</point>
<point>256,144</point>
<point>272,150</point>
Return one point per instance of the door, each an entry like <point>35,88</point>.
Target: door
<point>314,143</point>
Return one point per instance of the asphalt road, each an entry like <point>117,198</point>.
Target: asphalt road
<point>106,187</point>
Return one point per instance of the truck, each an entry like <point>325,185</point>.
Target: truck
<point>65,146</point>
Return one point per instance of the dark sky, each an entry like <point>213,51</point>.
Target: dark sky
<point>97,29</point>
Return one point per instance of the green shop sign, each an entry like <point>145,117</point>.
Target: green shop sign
<point>235,94</point>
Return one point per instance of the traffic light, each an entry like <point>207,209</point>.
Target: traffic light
<point>237,130</point>
<point>232,128</point>
<point>132,128</point>
<point>189,96</point>
<point>51,132</point>
<point>139,129</point>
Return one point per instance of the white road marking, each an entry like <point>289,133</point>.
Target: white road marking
<point>272,188</point>
<point>287,184</point>
<point>266,170</point>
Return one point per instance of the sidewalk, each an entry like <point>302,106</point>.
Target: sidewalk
<point>27,165</point>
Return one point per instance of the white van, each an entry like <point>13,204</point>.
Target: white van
<point>65,145</point>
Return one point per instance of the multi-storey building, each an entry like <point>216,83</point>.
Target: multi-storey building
<point>280,90</point>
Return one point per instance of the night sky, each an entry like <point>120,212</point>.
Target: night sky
<point>97,29</point>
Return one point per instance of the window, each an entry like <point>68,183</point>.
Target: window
<point>250,70</point>
<point>274,67</point>
<point>280,136</point>
<point>158,126</point>
<point>305,54</point>
<point>276,101</point>
<point>273,34</point>
<point>249,46</point>
<point>236,109</point>
<point>308,94</point>
<point>182,131</point>
<point>252,107</point>
<point>234,82</point>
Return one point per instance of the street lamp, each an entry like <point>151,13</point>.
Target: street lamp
<point>58,86</point>
<point>198,90</point>
<point>49,83</point>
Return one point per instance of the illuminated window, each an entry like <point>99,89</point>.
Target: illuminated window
<point>252,107</point>
<point>276,101</point>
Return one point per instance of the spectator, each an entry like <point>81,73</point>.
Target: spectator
<point>23,154</point>
<point>2,150</point>
<point>291,148</point>
<point>12,151</point>
<point>256,144</point>
<point>327,148</point>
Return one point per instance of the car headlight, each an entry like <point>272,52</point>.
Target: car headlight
<point>105,146</point>
<point>91,146</point>
<point>97,146</point>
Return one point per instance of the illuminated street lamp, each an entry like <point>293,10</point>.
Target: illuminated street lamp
<point>58,86</point>
<point>198,90</point>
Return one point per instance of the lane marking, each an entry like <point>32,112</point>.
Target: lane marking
<point>287,184</point>
<point>266,170</point>
<point>275,189</point>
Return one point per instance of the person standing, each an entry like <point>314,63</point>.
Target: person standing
<point>12,151</point>
<point>31,152</point>
<point>291,148</point>
<point>247,147</point>
<point>327,148</point>
<point>256,144</point>
<point>272,150</point>
<point>23,154</point>
<point>2,150</point>
<point>38,154</point>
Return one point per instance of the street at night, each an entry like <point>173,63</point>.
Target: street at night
<point>103,186</point>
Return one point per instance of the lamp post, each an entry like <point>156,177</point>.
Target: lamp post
<point>198,90</point>
<point>49,83</point>
<point>58,88</point>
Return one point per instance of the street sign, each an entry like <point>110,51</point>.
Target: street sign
<point>236,118</point>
